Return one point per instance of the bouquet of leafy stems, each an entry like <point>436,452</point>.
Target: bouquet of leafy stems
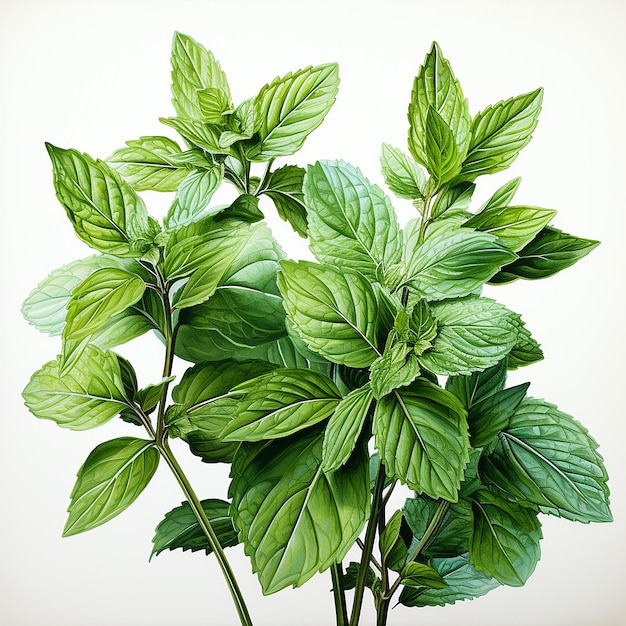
<point>323,384</point>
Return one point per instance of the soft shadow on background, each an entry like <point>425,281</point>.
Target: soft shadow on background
<point>91,75</point>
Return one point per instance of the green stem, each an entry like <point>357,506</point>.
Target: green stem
<point>368,546</point>
<point>382,611</point>
<point>341,609</point>
<point>207,529</point>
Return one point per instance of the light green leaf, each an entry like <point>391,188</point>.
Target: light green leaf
<point>443,156</point>
<point>194,68</point>
<point>474,333</point>
<point>499,133</point>
<point>503,196</point>
<point>180,528</point>
<point>334,312</point>
<point>146,164</point>
<point>453,202</point>
<point>284,187</point>
<point>436,87</point>
<point>463,582</point>
<point>421,434</point>
<point>514,226</point>
<point>102,295</point>
<point>150,395</point>
<point>280,403</point>
<point>505,542</point>
<point>213,103</point>
<point>548,253</point>
<point>452,262</point>
<point>396,367</point>
<point>290,108</point>
<point>421,575</point>
<point>282,499</point>
<point>344,428</point>
<point>402,175</point>
<point>546,457</point>
<point>110,480</point>
<point>90,395</point>
<point>105,211</point>
<point>351,222</point>
<point>242,123</point>
<point>197,133</point>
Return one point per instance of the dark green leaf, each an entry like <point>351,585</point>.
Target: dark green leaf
<point>371,580</point>
<point>478,385</point>
<point>284,187</point>
<point>149,396</point>
<point>245,208</point>
<point>402,175</point>
<point>180,528</point>
<point>525,351</point>
<point>421,575</point>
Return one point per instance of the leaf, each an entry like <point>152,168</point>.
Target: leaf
<point>290,108</point>
<point>180,528</point>
<point>505,542</point>
<point>421,575</point>
<point>282,500</point>
<point>472,388</point>
<point>284,187</point>
<point>351,574</point>
<point>499,133</point>
<point>473,334</point>
<point>213,103</point>
<point>396,367</point>
<point>492,414</point>
<point>150,395</point>
<point>525,351</point>
<point>199,134</point>
<point>503,196</point>
<point>453,201</point>
<point>280,403</point>
<point>452,262</point>
<point>436,87</point>
<point>194,68</point>
<point>193,197</point>
<point>514,226</point>
<point>104,210</point>
<point>335,313</point>
<point>102,295</point>
<point>463,582</point>
<point>344,428</point>
<point>245,207</point>
<point>443,156</point>
<point>90,395</point>
<point>110,480</point>
<point>545,457</point>
<point>146,164</point>
<point>548,253</point>
<point>242,124</point>
<point>351,222</point>
<point>421,434</point>
<point>46,305</point>
<point>402,175</point>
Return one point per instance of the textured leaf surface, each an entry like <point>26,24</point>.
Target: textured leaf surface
<point>546,457</point>
<point>335,313</point>
<point>444,157</point>
<point>505,542</point>
<point>421,434</point>
<point>472,388</point>
<point>402,175</point>
<point>503,196</point>
<point>396,367</point>
<point>284,187</point>
<point>180,528</point>
<point>295,519</point>
<point>110,480</point>
<point>421,575</point>
<point>525,351</point>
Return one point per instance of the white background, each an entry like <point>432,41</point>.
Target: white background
<point>91,75</point>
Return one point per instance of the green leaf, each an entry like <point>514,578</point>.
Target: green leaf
<point>150,395</point>
<point>104,210</point>
<point>492,414</point>
<point>452,262</point>
<point>453,202</point>
<point>344,428</point>
<point>503,196</point>
<point>180,528</point>
<point>282,499</point>
<point>213,103</point>
<point>245,207</point>
<point>396,367</point>
<point>334,312</point>
<point>474,333</point>
<point>402,175</point>
<point>199,134</point>
<point>90,395</point>
<point>525,351</point>
<point>545,457</point>
<point>393,549</point>
<point>463,582</point>
<point>443,156</point>
<point>351,222</point>
<point>548,253</point>
<point>351,574</point>
<point>194,69</point>
<point>242,124</point>
<point>421,434</point>
<point>290,108</point>
<point>514,226</point>
<point>204,406</point>
<point>421,575</point>
<point>284,187</point>
<point>280,403</point>
<point>104,294</point>
<point>478,385</point>
<point>193,197</point>
<point>146,164</point>
<point>505,542</point>
<point>499,133</point>
<point>110,480</point>
<point>436,87</point>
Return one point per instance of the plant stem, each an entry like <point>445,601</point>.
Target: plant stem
<point>341,609</point>
<point>382,611</point>
<point>368,546</point>
<point>205,524</point>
